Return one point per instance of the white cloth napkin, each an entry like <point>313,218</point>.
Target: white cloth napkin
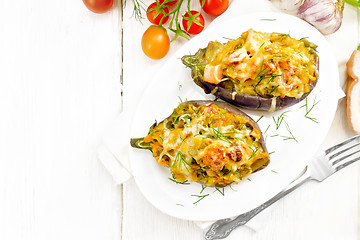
<point>113,152</point>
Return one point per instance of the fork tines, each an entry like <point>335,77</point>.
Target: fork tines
<point>344,153</point>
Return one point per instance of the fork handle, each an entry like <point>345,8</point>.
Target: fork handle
<point>222,228</point>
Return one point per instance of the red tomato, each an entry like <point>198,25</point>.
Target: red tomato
<point>194,28</point>
<point>98,6</point>
<point>214,7</point>
<point>170,3</point>
<point>152,13</point>
<point>155,42</point>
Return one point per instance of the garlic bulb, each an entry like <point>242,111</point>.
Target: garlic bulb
<point>325,15</point>
<point>289,6</point>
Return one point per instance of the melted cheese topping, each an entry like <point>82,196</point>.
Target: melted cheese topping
<point>207,144</point>
<point>265,64</point>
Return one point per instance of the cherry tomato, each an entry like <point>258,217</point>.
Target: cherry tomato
<point>194,28</point>
<point>214,7</point>
<point>155,42</point>
<point>170,3</point>
<point>152,13</point>
<point>98,6</point>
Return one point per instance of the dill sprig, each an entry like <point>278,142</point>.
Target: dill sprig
<point>268,19</point>
<point>229,39</point>
<point>201,197</point>
<point>225,172</point>
<point>254,151</point>
<point>283,36</point>
<point>181,100</point>
<point>227,137</point>
<point>203,187</point>
<point>260,118</point>
<point>274,88</point>
<point>309,109</point>
<point>194,61</point>
<point>221,191</point>
<point>180,160</point>
<point>138,7</point>
<point>186,182</point>
<point>291,137</point>
<point>265,73</point>
<point>279,119</point>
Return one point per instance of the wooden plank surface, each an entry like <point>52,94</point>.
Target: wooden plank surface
<point>59,88</point>
<point>60,73</point>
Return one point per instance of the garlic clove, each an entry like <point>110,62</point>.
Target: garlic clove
<point>325,15</point>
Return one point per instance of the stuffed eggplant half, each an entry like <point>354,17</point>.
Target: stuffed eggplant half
<point>209,142</point>
<point>258,71</point>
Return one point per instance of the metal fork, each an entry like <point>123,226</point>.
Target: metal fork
<point>319,168</point>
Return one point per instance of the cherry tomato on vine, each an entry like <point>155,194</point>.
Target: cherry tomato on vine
<point>153,10</point>
<point>193,23</point>
<point>170,3</point>
<point>98,6</point>
<point>214,7</point>
<point>155,42</point>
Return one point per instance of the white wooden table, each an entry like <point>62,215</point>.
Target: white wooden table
<point>64,76</point>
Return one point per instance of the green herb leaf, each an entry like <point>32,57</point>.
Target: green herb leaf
<point>201,197</point>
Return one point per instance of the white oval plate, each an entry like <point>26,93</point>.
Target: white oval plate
<point>291,145</point>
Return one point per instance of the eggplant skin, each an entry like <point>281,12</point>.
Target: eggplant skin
<point>246,101</point>
<point>251,101</point>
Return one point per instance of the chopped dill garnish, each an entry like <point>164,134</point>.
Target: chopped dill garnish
<point>181,101</point>
<point>274,88</point>
<point>291,137</point>
<point>225,172</point>
<point>309,109</point>
<point>274,171</point>
<point>178,204</point>
<point>243,169</point>
<point>229,39</point>
<point>268,19</point>
<point>283,35</point>
<point>222,191</point>
<point>201,197</point>
<point>202,188</point>
<point>180,85</point>
<point>194,61</point>
<point>266,132</point>
<point>260,118</point>
<point>279,119</point>
<point>186,182</point>
<point>253,153</point>
<point>223,136</point>
<point>249,179</point>
<point>264,74</point>
<point>180,160</point>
